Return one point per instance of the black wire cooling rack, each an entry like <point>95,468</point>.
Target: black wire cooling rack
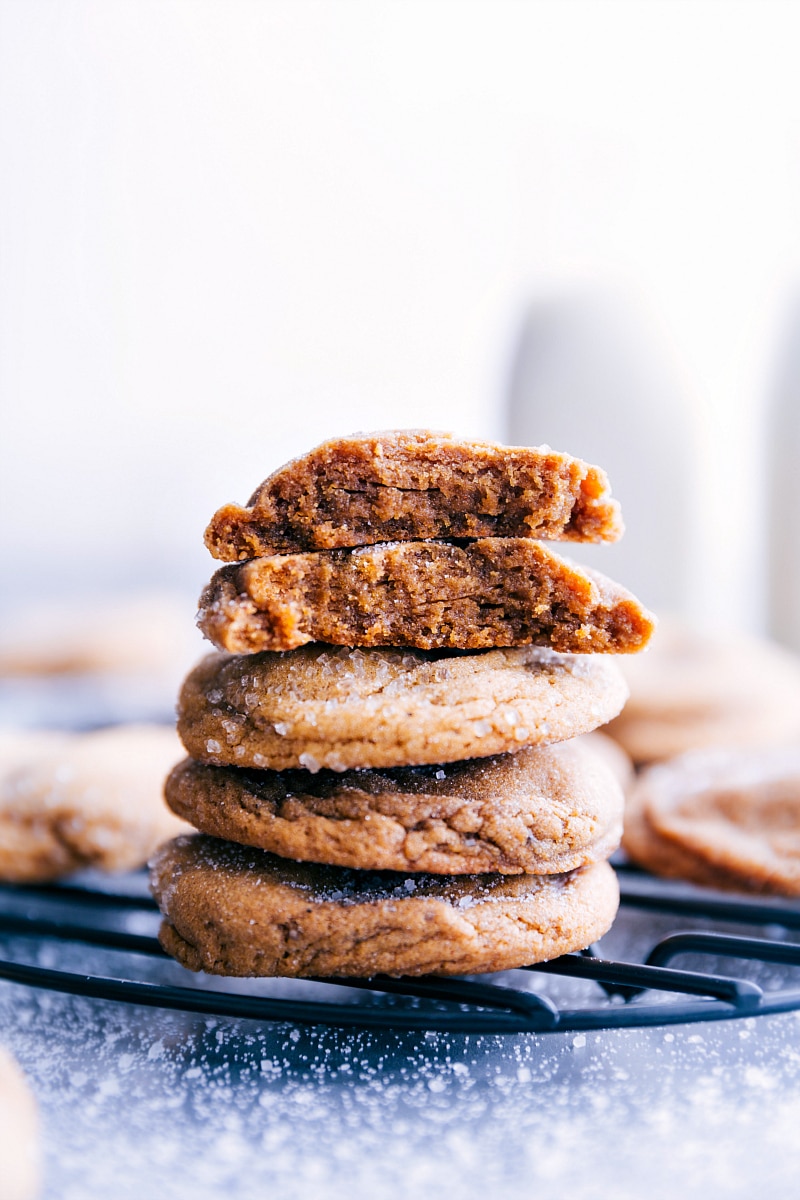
<point>622,993</point>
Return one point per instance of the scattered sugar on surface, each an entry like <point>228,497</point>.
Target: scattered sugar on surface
<point>139,1102</point>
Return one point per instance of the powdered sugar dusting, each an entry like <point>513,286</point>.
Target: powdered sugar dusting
<point>143,1102</point>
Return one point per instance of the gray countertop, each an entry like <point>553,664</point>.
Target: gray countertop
<point>141,1102</point>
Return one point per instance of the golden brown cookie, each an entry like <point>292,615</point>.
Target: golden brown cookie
<point>493,592</point>
<point>542,811</point>
<point>231,910</point>
<point>644,846</point>
<point>693,689</point>
<point>411,484</point>
<point>85,800</point>
<point>724,817</point>
<point>19,1134</point>
<point>324,707</point>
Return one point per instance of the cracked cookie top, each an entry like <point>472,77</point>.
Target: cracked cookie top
<point>322,706</point>
<point>544,810</point>
<point>232,910</point>
<point>729,817</point>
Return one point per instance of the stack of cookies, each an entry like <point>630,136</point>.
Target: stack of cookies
<point>384,758</point>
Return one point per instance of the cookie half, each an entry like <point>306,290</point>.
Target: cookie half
<point>324,707</point>
<point>413,484</point>
<point>230,910</point>
<point>70,801</point>
<point>541,811</point>
<point>730,818</point>
<point>479,595</point>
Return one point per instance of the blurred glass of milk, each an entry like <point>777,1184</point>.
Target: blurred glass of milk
<point>589,377</point>
<point>783,475</point>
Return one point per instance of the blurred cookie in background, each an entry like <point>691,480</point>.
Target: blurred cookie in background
<point>73,801</point>
<point>693,689</point>
<point>20,1172</point>
<point>20,747</point>
<point>77,663</point>
<point>725,818</point>
<point>123,634</point>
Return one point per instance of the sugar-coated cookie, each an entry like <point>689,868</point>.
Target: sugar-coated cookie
<point>320,706</point>
<point>84,800</point>
<point>413,484</point>
<point>230,910</point>
<point>476,595</point>
<point>724,817</point>
<point>541,811</point>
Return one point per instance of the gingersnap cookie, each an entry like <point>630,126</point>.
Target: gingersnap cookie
<point>231,910</point>
<point>19,1134</point>
<point>328,707</point>
<point>694,689</point>
<point>644,846</point>
<point>541,811</point>
<point>493,592</point>
<point>85,800</point>
<point>413,484</point>
<point>726,817</point>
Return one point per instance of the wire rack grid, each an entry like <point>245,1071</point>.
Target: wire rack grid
<point>623,992</point>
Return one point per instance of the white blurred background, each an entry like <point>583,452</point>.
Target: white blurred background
<point>230,229</point>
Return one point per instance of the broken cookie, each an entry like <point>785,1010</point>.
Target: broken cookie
<point>412,484</point>
<point>489,593</point>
